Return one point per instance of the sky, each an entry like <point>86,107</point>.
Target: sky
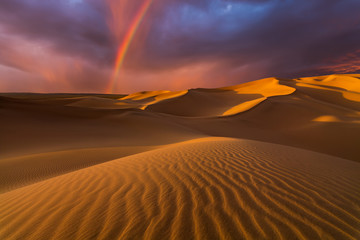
<point>124,46</point>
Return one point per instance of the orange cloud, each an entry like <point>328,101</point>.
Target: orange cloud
<point>348,64</point>
<point>45,69</point>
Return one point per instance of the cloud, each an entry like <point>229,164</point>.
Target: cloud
<point>75,28</point>
<point>180,43</point>
<point>290,32</point>
<point>38,67</point>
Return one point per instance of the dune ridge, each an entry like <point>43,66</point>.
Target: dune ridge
<point>21,171</point>
<point>204,189</point>
<point>269,159</point>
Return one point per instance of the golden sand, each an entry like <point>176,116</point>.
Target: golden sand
<point>269,159</point>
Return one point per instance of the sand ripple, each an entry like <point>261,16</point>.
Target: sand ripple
<point>214,188</point>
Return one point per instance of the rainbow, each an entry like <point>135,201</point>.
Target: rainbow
<point>124,46</point>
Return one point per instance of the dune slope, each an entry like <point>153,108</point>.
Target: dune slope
<point>269,159</point>
<point>21,171</point>
<point>202,189</point>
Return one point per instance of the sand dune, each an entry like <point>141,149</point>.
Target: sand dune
<point>269,159</point>
<point>206,189</point>
<point>24,170</point>
<point>43,128</point>
<point>223,101</point>
<point>349,82</point>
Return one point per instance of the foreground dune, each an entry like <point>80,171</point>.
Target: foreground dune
<point>24,170</point>
<point>269,159</point>
<point>319,114</point>
<point>203,189</point>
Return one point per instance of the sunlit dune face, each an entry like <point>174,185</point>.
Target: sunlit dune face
<point>145,99</point>
<point>336,119</point>
<point>352,96</point>
<point>242,107</point>
<point>347,87</point>
<point>327,118</point>
<point>145,95</point>
<point>267,87</point>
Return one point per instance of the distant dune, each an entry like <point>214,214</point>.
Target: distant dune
<point>269,159</point>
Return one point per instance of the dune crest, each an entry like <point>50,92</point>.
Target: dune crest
<point>242,107</point>
<point>25,170</point>
<point>267,87</point>
<point>269,159</point>
<point>214,188</point>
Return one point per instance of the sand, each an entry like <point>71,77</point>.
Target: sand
<point>269,159</point>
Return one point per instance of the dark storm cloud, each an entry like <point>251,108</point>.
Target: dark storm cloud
<point>239,40</point>
<point>291,36</point>
<point>69,27</point>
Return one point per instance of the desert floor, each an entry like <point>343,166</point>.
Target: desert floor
<point>269,159</point>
